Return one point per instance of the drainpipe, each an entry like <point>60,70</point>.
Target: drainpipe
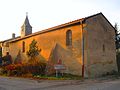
<point>82,49</point>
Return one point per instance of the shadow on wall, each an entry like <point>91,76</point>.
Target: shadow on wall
<point>18,58</point>
<point>68,59</point>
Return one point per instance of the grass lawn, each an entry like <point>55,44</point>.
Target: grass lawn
<point>64,77</point>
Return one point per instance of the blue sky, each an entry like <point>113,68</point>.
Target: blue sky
<point>48,13</point>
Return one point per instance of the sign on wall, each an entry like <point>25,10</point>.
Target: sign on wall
<point>59,67</point>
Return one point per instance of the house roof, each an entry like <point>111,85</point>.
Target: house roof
<point>9,39</point>
<point>55,28</point>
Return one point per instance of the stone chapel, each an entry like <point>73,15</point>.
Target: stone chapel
<point>86,46</point>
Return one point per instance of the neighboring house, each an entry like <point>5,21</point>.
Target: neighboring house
<point>86,46</point>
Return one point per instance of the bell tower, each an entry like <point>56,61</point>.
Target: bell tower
<point>26,28</point>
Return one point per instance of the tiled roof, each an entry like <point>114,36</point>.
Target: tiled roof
<point>9,39</point>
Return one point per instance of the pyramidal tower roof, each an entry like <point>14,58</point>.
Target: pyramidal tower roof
<point>26,22</point>
<point>26,28</point>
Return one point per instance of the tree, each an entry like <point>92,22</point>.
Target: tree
<point>117,38</point>
<point>34,66</point>
<point>33,50</point>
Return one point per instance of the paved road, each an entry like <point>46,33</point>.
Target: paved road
<point>7,83</point>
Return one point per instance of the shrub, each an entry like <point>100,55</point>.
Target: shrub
<point>37,68</point>
<point>22,69</point>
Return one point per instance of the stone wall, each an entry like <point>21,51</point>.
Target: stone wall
<point>53,47</point>
<point>100,47</point>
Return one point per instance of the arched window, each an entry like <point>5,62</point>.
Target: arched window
<point>69,38</point>
<point>23,46</point>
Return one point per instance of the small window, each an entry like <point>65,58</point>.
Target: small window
<point>69,38</point>
<point>0,51</point>
<point>103,48</point>
<point>23,46</point>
